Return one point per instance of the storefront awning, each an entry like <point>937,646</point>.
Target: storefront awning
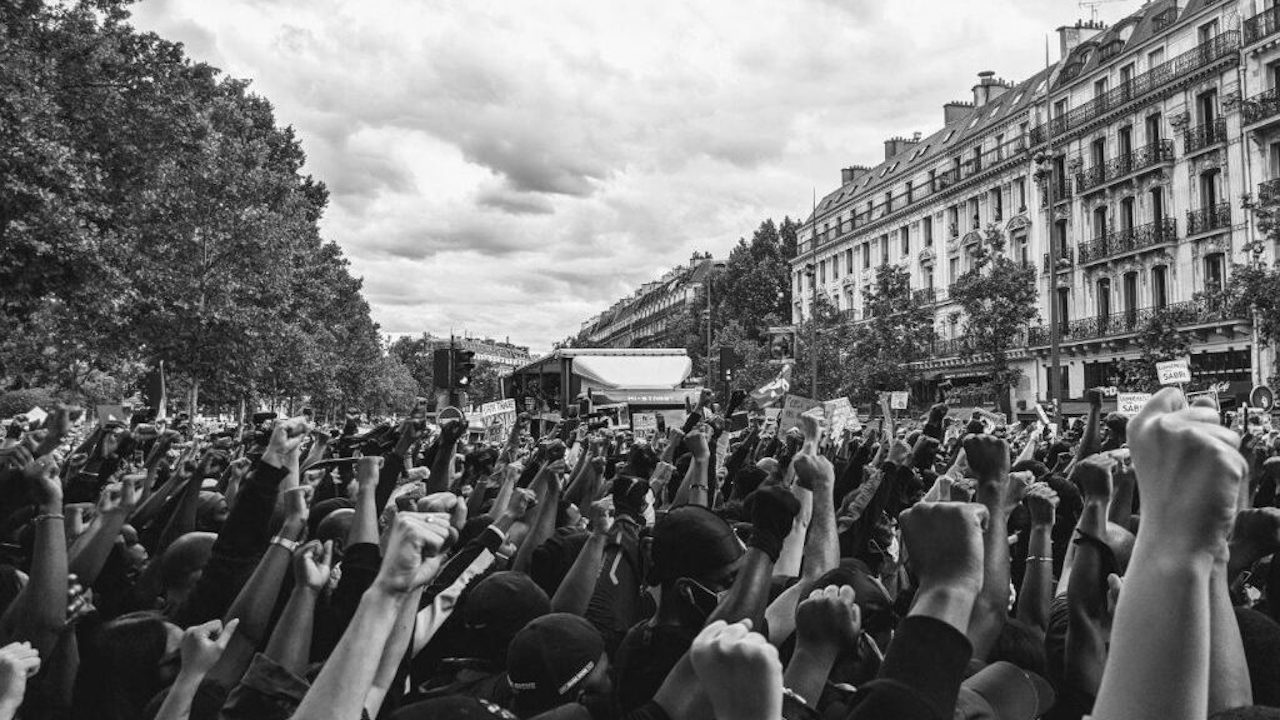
<point>634,372</point>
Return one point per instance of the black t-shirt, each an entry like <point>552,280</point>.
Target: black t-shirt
<point>645,658</point>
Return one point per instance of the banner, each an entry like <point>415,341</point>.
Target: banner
<point>792,409</point>
<point>1174,372</point>
<point>771,392</point>
<point>1130,404</point>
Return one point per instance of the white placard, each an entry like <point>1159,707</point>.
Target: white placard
<point>841,415</point>
<point>1131,403</point>
<point>898,400</point>
<point>1173,372</point>
<point>792,409</point>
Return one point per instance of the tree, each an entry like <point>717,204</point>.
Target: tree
<point>754,289</point>
<point>997,296</point>
<point>486,383</point>
<point>898,333</point>
<point>417,357</point>
<point>1254,292</point>
<point>827,343</point>
<point>1159,340</point>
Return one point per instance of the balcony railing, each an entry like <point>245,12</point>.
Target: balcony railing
<point>925,296</point>
<point>1261,106</point>
<point>1147,156</point>
<point>1065,255</point>
<point>1206,219</point>
<point>1263,25</point>
<point>1206,135</point>
<point>1125,322</point>
<point>1224,45</point>
<point>1127,241</point>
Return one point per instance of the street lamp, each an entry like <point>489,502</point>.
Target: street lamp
<point>810,272</point>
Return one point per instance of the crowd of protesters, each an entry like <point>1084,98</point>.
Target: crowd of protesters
<point>1114,568</point>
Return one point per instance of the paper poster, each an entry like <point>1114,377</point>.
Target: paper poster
<point>898,400</point>
<point>841,415</point>
<point>792,409</point>
<point>644,425</point>
<point>1131,403</point>
<point>1173,372</point>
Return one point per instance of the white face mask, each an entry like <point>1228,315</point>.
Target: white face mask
<point>893,550</point>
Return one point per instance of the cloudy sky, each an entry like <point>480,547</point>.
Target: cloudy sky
<point>510,168</point>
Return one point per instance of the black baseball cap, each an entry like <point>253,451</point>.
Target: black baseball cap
<point>693,542</point>
<point>551,656</point>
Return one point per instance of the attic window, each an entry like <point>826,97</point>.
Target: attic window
<point>948,137</point>
<point>920,152</point>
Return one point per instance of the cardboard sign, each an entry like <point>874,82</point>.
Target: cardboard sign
<point>841,415</point>
<point>792,409</point>
<point>1130,404</point>
<point>36,415</point>
<point>1173,372</point>
<point>497,419</point>
<point>644,425</point>
<point>898,400</point>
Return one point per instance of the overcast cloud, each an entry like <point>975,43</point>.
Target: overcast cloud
<point>510,168</point>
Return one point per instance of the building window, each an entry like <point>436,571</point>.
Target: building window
<point>954,268</point>
<point>1100,87</point>
<point>1213,272</point>
<point>835,267</point>
<point>996,200</point>
<point>999,147</point>
<point>884,249</point>
<point>926,228</point>
<point>908,192</point>
<point>848,261</point>
<point>1126,74</point>
<point>1104,297</point>
<point>1159,286</point>
<point>1020,186</point>
<point>953,218</point>
<point>888,202</point>
<point>973,213</point>
<point>904,235</point>
<point>866,255</point>
<point>1208,31</point>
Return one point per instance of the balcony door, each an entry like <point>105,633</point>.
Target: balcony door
<point>1157,204</point>
<point>1131,299</point>
<point>1214,269</point>
<point>1127,214</point>
<point>1153,128</point>
<point>1209,189</point>
<point>1159,286</point>
<point>1104,300</point>
<point>1100,222</point>
<point>1208,31</point>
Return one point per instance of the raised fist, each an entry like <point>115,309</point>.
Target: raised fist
<point>1042,503</point>
<point>740,671</point>
<point>987,455</point>
<point>414,550</point>
<point>944,543</point>
<point>813,471</point>
<point>829,619</point>
<point>1189,472</point>
<point>1093,475</point>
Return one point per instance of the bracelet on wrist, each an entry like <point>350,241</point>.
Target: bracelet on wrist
<point>49,516</point>
<point>1039,558</point>
<point>286,543</point>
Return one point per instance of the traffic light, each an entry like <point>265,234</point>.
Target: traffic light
<point>464,364</point>
<point>729,362</point>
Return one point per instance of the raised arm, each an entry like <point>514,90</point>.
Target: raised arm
<point>1037,577</point>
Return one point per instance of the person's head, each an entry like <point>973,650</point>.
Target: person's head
<point>124,663</point>
<point>558,659</point>
<point>1022,645</point>
<point>182,563</point>
<point>335,526</point>
<point>212,511</point>
<point>694,558</point>
<point>495,609</point>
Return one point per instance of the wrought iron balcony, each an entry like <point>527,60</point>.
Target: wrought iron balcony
<point>1206,135</point>
<point>925,296</point>
<point>1062,193</point>
<point>1147,156</point>
<point>1225,45</point>
<point>1127,322</point>
<point>1134,239</point>
<point>1261,106</point>
<point>945,179</point>
<point>1262,26</point>
<point>1206,219</point>
<point>1065,261</point>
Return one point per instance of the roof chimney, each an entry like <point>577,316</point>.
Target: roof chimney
<point>896,145</point>
<point>1069,36</point>
<point>988,88</point>
<point>955,110</point>
<point>853,174</point>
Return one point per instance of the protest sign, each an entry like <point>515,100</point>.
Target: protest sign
<point>792,409</point>
<point>644,425</point>
<point>1131,403</point>
<point>1174,372</point>
<point>841,415</point>
<point>898,400</point>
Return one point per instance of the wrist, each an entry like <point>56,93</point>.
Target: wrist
<point>50,507</point>
<point>815,653</point>
<point>292,528</point>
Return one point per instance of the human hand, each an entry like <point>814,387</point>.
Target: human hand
<point>46,489</point>
<point>296,510</point>
<point>1189,472</point>
<point>15,456</point>
<point>414,551</point>
<point>313,564</point>
<point>521,502</point>
<point>19,662</point>
<point>1094,397</point>
<point>772,510</point>
<point>987,456</point>
<point>1042,503</point>
<point>814,472</point>
<point>740,671</point>
<point>1093,475</point>
<point>203,645</point>
<point>899,453</point>
<point>811,427</point>
<point>286,440</point>
<point>368,469</point>
<point>829,620</point>
<point>79,601</point>
<point>450,432</point>
<point>944,543</point>
<point>697,444</point>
